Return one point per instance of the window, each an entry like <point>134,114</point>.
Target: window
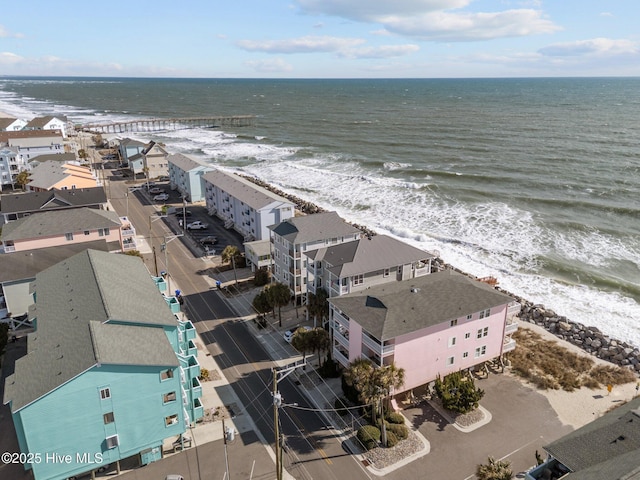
<point>483,332</point>
<point>465,354</point>
<point>105,393</point>
<point>166,374</point>
<point>358,279</point>
<point>480,351</point>
<point>171,420</point>
<point>452,341</point>
<point>470,316</point>
<point>451,360</point>
<point>453,322</point>
<point>169,397</point>
<point>467,335</point>
<point>386,272</point>
<point>108,418</point>
<point>87,232</point>
<point>68,236</point>
<point>112,441</point>
<point>485,313</point>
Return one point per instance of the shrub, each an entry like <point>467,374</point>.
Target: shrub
<point>395,417</point>
<point>369,436</point>
<point>204,374</point>
<point>329,369</point>
<point>350,391</point>
<point>400,431</point>
<point>606,374</point>
<point>392,439</point>
<point>261,277</point>
<point>457,393</point>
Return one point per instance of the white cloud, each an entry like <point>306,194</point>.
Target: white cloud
<point>272,65</point>
<point>4,33</point>
<point>606,14</point>
<point>309,44</point>
<point>437,20</point>
<point>592,47</point>
<point>371,10</point>
<point>8,58</point>
<point>385,51</point>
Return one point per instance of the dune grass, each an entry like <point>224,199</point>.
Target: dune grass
<point>549,365</point>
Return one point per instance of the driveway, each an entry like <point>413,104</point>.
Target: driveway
<point>522,422</point>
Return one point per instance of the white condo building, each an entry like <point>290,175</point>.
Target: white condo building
<point>11,164</point>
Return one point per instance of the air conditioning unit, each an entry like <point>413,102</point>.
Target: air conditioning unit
<point>112,441</point>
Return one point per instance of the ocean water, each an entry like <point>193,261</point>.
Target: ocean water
<point>533,181</point>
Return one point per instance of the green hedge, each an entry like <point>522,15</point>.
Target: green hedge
<point>369,436</point>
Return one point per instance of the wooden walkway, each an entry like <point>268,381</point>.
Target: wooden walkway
<point>167,124</point>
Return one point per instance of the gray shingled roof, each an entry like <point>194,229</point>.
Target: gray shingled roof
<point>48,173</point>
<point>59,222</point>
<point>6,122</point>
<point>312,228</point>
<point>607,448</point>
<point>90,287</point>
<point>40,122</point>
<point>185,162</point>
<point>51,199</point>
<point>398,308</point>
<point>368,255</point>
<point>253,195</point>
<point>26,264</point>
<point>56,157</point>
<point>25,134</point>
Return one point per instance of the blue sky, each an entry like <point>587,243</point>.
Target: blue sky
<point>321,38</point>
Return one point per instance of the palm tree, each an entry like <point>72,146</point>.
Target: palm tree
<point>279,296</point>
<point>261,303</point>
<point>494,470</point>
<point>22,179</point>
<point>302,341</point>
<point>318,306</point>
<point>319,340</point>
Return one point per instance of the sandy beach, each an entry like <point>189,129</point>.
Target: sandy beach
<point>581,406</point>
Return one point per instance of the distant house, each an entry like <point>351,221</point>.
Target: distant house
<point>244,206</point>
<point>48,122</point>
<point>353,266</point>
<point>258,254</point>
<point>127,149</point>
<point>31,143</point>
<point>11,164</point>
<point>11,124</point>
<point>60,227</point>
<point>185,175</point>
<point>154,158</point>
<point>606,449</point>
<point>291,238</point>
<point>54,175</point>
<point>19,269</point>
<point>59,157</point>
<point>432,325</point>
<point>109,371</point>
<point>17,205</point>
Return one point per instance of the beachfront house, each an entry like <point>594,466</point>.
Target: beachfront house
<point>244,206</point>
<point>607,448</point>
<point>431,325</point>
<point>353,266</point>
<point>185,175</point>
<point>110,372</point>
<point>10,124</point>
<point>127,149</point>
<point>17,205</point>
<point>48,122</point>
<point>154,160</point>
<point>63,227</point>
<point>258,254</point>
<point>291,238</point>
<point>31,143</point>
<point>11,164</point>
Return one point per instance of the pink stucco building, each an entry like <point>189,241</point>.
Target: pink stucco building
<point>429,326</point>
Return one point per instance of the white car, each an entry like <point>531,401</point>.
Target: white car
<point>288,335</point>
<point>161,198</point>
<point>197,225</point>
<point>156,190</point>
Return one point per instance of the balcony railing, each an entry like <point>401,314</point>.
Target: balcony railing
<point>191,348</point>
<point>173,303</point>
<point>511,327</point>
<point>9,248</point>
<point>196,388</point>
<point>198,409</point>
<point>340,357</point>
<point>508,345</point>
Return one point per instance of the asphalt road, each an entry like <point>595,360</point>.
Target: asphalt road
<point>311,450</point>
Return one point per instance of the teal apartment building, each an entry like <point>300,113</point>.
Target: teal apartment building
<point>110,372</point>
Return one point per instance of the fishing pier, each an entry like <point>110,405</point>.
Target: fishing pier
<point>167,124</point>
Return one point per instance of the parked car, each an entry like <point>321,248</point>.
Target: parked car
<point>156,190</point>
<point>174,476</point>
<point>161,198</point>
<point>178,212</point>
<point>197,225</point>
<point>209,240</point>
<point>163,178</point>
<point>288,335</point>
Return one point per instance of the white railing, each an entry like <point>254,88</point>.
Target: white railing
<point>508,345</point>
<point>511,327</point>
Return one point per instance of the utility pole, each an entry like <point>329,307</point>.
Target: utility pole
<point>226,457</point>
<point>277,403</point>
